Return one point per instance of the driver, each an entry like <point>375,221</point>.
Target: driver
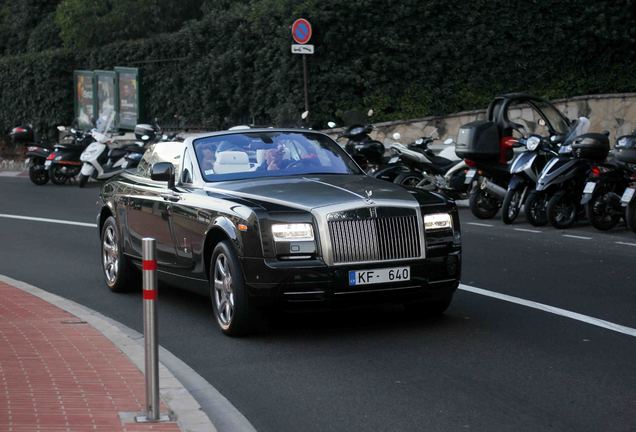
<point>274,160</point>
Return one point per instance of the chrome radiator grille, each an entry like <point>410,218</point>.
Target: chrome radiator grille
<point>377,234</point>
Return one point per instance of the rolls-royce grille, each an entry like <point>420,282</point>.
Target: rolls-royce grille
<point>357,237</point>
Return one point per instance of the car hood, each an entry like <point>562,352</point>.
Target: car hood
<point>314,191</point>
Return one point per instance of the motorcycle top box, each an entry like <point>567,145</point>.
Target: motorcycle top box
<point>592,146</point>
<point>625,150</point>
<point>478,140</point>
<point>22,134</point>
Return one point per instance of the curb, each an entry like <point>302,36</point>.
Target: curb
<point>192,399</point>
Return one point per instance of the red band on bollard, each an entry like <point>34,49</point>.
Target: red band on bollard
<point>149,264</point>
<point>150,294</point>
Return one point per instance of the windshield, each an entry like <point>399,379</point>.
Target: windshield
<point>553,117</point>
<point>270,154</point>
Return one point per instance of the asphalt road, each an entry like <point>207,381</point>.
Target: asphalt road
<point>487,365</point>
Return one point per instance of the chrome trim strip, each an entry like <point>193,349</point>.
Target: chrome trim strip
<point>377,290</point>
<point>303,292</point>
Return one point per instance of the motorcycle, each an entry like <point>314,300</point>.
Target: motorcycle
<point>63,164</point>
<point>105,158</point>
<point>487,147</point>
<point>525,170</point>
<point>37,153</point>
<point>609,191</point>
<point>367,152</point>
<point>563,178</point>
<point>416,165</point>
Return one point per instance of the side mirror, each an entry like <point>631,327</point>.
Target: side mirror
<point>397,136</point>
<point>448,141</point>
<point>163,171</point>
<point>331,124</point>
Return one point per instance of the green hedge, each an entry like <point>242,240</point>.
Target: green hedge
<point>404,58</point>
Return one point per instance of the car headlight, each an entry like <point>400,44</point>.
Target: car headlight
<point>293,232</point>
<point>437,221</point>
<point>532,143</point>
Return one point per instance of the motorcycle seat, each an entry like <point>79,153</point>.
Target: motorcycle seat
<point>443,163</point>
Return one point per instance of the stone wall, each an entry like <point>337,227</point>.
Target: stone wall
<point>613,112</point>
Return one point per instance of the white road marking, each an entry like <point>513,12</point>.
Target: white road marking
<point>577,237</point>
<point>553,310</point>
<point>480,224</point>
<point>527,230</point>
<point>626,244</point>
<point>57,221</point>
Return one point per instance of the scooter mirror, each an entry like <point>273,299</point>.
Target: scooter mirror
<point>370,113</point>
<point>448,141</point>
<point>331,124</point>
<point>397,136</point>
<point>541,122</point>
<point>304,115</point>
<point>61,128</point>
<point>419,141</point>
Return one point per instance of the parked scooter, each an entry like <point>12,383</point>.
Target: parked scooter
<point>487,147</point>
<point>563,178</point>
<point>63,164</point>
<point>609,191</point>
<point>104,158</point>
<point>525,169</point>
<point>418,166</point>
<point>367,152</point>
<point>36,154</point>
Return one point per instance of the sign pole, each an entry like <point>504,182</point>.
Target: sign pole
<point>301,33</point>
<point>305,82</point>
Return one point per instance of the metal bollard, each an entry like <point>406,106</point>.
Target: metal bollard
<point>151,342</point>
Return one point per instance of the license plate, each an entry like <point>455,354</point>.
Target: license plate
<point>376,276</point>
<point>628,195</point>
<point>47,164</point>
<point>470,175</point>
<point>589,187</point>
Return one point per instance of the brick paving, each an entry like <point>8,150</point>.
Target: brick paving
<point>58,373</point>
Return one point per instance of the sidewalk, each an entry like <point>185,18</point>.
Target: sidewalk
<point>58,373</point>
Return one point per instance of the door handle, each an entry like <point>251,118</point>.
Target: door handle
<point>173,197</point>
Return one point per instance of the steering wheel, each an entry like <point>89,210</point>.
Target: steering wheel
<point>297,163</point>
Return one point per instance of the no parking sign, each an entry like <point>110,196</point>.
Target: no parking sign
<point>301,31</point>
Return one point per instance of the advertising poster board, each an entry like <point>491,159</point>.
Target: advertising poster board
<point>85,100</point>
<point>106,98</point>
<point>129,103</point>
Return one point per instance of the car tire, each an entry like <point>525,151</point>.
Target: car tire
<point>482,205</point>
<point>119,273</point>
<point>230,301</point>
<point>630,215</point>
<point>38,175</point>
<point>511,205</point>
<point>535,208</point>
<point>562,210</point>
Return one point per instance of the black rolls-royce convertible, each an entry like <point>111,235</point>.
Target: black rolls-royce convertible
<point>261,217</point>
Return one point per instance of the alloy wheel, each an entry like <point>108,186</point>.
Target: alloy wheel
<point>110,255</point>
<point>223,292</point>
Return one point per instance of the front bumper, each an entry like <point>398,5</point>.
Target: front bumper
<point>433,278</point>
